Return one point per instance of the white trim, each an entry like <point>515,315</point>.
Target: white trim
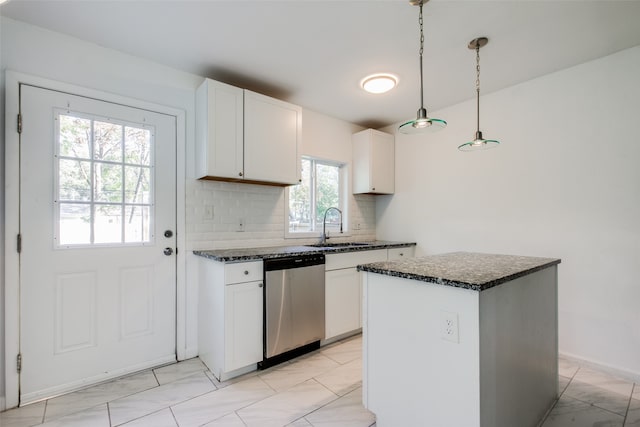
<point>12,214</point>
<point>602,367</point>
<point>94,380</point>
<point>344,203</point>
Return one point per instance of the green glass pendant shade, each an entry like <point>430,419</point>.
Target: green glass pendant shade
<point>422,124</point>
<point>479,144</point>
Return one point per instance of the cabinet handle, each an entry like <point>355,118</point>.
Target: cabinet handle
<point>259,285</point>
<point>401,254</point>
<point>239,173</point>
<point>373,189</point>
<point>246,272</point>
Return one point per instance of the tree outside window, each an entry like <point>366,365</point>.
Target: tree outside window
<point>319,190</point>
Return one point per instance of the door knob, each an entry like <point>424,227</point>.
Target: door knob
<point>168,233</point>
<point>168,251</point>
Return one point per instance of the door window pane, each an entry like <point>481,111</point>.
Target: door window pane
<point>75,224</point>
<point>137,185</point>
<point>108,224</point>
<point>136,224</point>
<point>107,143</point>
<point>108,182</point>
<point>75,180</point>
<point>75,137</point>
<point>104,191</point>
<point>137,149</point>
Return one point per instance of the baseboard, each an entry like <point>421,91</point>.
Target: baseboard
<point>190,353</point>
<point>340,337</point>
<point>603,367</point>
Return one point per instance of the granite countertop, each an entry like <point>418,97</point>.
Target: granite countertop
<point>253,254</point>
<point>474,271</point>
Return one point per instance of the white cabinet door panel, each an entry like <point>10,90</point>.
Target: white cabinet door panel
<point>342,299</point>
<point>219,130</point>
<point>271,139</point>
<point>243,325</point>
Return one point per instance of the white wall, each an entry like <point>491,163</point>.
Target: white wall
<point>38,52</point>
<point>564,183</point>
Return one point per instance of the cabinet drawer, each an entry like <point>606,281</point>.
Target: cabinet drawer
<point>351,259</point>
<point>242,272</point>
<point>401,253</point>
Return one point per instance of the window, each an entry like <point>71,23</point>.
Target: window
<point>320,189</point>
<point>104,181</point>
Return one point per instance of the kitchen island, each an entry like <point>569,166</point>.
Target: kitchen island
<point>460,339</point>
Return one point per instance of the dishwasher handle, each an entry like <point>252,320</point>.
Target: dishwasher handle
<point>286,263</point>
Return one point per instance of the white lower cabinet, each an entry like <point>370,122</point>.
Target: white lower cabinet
<point>343,287</point>
<point>343,291</point>
<point>230,317</point>
<point>342,302</point>
<point>243,325</point>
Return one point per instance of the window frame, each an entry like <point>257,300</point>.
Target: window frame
<point>343,169</point>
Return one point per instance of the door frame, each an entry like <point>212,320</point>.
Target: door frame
<point>12,214</point>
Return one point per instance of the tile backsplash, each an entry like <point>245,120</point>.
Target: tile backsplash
<point>214,210</point>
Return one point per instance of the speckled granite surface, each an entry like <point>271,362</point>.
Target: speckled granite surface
<point>466,270</point>
<point>249,254</point>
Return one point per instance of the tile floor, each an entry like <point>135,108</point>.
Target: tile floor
<point>323,388</point>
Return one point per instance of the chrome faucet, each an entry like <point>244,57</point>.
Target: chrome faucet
<point>324,237</point>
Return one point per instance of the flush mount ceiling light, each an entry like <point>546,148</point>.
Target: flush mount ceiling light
<point>479,143</point>
<point>422,123</point>
<point>379,83</point>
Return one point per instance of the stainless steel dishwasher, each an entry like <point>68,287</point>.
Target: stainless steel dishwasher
<point>293,307</point>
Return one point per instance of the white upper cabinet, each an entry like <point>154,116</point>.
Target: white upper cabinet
<point>219,131</point>
<point>245,136</point>
<point>373,162</point>
<point>272,130</point>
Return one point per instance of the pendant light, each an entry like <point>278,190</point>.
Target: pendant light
<point>479,143</point>
<point>422,123</point>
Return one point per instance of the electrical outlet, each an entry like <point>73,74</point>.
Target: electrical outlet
<point>208,212</point>
<point>241,224</point>
<point>449,326</point>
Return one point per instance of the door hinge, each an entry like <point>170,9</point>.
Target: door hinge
<point>19,123</point>
<point>19,243</point>
<point>19,362</point>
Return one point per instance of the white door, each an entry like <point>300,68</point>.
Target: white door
<point>97,220</point>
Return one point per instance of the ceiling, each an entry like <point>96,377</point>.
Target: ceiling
<point>315,52</point>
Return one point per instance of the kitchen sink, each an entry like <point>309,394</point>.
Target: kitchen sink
<point>339,245</point>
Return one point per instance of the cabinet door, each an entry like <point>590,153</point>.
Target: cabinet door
<point>373,162</point>
<point>342,301</point>
<point>219,131</point>
<point>272,133</point>
<point>243,325</point>
<point>382,163</point>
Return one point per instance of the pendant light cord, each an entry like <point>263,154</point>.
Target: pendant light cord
<point>421,22</point>
<point>478,87</point>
